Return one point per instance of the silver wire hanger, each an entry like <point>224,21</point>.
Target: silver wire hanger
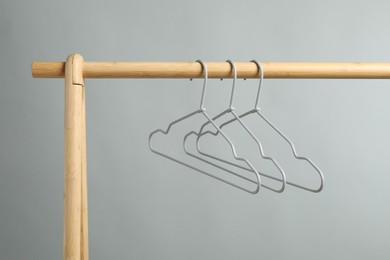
<point>230,110</point>
<point>202,110</point>
<point>257,110</point>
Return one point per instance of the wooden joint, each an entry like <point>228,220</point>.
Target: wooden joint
<point>77,62</point>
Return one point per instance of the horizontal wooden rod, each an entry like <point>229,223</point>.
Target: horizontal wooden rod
<point>336,70</point>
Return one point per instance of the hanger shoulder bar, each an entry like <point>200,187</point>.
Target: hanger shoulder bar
<point>336,70</point>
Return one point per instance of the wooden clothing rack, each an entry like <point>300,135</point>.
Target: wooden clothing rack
<point>74,70</point>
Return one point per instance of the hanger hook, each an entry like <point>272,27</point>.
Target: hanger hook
<point>261,72</point>
<point>233,66</point>
<point>206,76</point>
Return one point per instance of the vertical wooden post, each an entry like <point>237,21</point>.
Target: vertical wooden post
<point>84,190</point>
<point>75,200</point>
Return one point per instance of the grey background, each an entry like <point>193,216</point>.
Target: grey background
<point>142,206</point>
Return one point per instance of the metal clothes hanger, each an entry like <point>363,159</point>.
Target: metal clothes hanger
<point>257,110</point>
<point>202,110</point>
<point>230,110</point>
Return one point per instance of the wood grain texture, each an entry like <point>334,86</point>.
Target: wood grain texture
<point>218,70</point>
<point>84,182</point>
